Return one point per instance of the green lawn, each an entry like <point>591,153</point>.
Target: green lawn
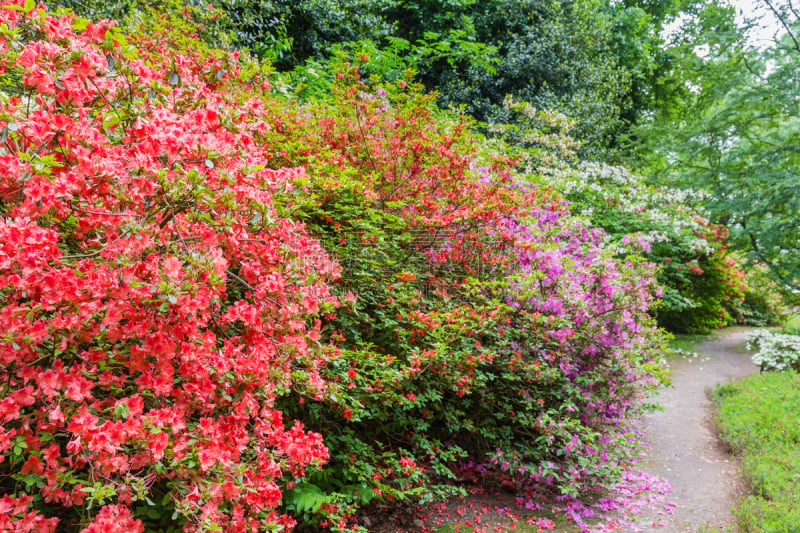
<point>793,322</point>
<point>688,342</point>
<point>759,417</point>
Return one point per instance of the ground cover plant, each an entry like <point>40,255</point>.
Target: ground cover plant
<point>757,416</point>
<point>775,350</point>
<point>226,310</point>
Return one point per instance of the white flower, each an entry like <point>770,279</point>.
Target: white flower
<point>776,351</point>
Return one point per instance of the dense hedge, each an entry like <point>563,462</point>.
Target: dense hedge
<point>225,310</point>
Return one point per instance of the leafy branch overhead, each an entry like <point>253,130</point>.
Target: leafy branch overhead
<point>738,139</point>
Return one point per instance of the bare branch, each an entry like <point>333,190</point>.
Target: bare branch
<point>794,11</point>
<point>784,23</point>
<point>240,280</point>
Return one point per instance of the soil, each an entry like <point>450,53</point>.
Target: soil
<point>684,447</point>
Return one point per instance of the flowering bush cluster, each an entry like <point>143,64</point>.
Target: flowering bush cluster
<point>763,303</point>
<point>698,277</point>
<point>489,325</point>
<point>775,351</point>
<point>700,283</point>
<point>224,310</point>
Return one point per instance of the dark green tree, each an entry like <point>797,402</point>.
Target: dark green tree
<point>605,64</point>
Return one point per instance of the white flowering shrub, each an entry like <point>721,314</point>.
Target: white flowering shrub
<point>774,351</point>
<point>699,282</point>
<point>667,227</point>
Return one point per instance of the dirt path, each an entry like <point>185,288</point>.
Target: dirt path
<point>684,447</point>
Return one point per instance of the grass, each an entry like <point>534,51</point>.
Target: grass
<point>793,322</point>
<point>688,343</point>
<point>684,346</point>
<point>759,417</point>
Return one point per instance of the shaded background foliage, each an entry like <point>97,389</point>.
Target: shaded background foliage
<point>603,64</point>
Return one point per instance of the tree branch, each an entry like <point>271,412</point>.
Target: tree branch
<point>794,12</point>
<point>785,24</point>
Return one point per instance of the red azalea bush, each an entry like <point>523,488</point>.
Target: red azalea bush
<point>154,304</point>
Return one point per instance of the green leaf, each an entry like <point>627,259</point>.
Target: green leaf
<point>121,410</point>
<point>306,497</point>
<point>79,24</point>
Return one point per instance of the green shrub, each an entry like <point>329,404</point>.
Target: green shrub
<point>762,303</point>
